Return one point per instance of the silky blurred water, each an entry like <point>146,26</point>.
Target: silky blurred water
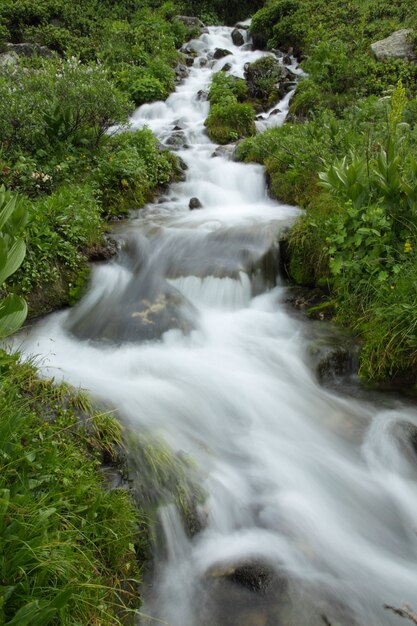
<point>318,487</point>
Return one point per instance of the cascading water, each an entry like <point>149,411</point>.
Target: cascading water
<point>311,495</point>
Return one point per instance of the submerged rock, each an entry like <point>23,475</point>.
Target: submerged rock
<point>396,46</point>
<point>254,575</point>
<point>136,309</point>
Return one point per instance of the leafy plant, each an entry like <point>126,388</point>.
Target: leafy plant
<point>13,308</point>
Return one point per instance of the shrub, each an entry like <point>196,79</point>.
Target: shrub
<point>223,86</point>
<point>229,121</point>
<point>130,169</point>
<point>60,230</point>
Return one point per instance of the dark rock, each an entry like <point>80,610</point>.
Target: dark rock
<point>141,310</point>
<point>108,249</point>
<point>278,53</point>
<point>29,50</point>
<point>242,26</point>
<point>183,165</point>
<point>220,53</point>
<point>189,61</point>
<point>181,72</point>
<point>335,362</point>
<point>195,203</point>
<point>177,140</point>
<point>396,46</point>
<point>237,37</point>
<point>226,67</point>
<point>275,112</point>
<point>287,60</point>
<point>255,576</point>
<point>202,95</point>
<point>203,62</point>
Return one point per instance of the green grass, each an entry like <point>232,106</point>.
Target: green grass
<point>68,545</point>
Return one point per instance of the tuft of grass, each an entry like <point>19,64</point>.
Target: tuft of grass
<point>68,544</point>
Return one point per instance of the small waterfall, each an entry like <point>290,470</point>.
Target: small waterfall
<point>311,496</point>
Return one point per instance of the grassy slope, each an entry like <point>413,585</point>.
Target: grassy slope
<point>357,237</point>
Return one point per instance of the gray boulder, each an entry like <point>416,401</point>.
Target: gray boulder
<point>195,203</point>
<point>177,140</point>
<point>396,46</point>
<point>190,22</point>
<point>237,37</point>
<point>28,50</point>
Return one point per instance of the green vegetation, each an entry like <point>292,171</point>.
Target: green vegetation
<point>230,117</point>
<point>347,156</point>
<point>13,309</point>
<point>69,545</point>
<point>56,146</point>
<point>72,549</point>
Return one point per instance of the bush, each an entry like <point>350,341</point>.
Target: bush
<point>263,76</point>
<point>223,86</point>
<point>130,169</point>
<point>230,121</point>
<point>61,229</point>
<point>265,19</point>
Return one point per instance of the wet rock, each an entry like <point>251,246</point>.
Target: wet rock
<point>194,204</point>
<point>29,50</point>
<point>396,46</point>
<point>287,60</point>
<point>202,95</point>
<point>224,151</point>
<point>275,112</point>
<point>278,53</point>
<point>182,164</point>
<point>189,61</point>
<point>314,302</point>
<point>237,37</point>
<point>256,576</point>
<point>220,53</point>
<point>181,72</point>
<point>335,362</point>
<point>226,67</point>
<point>146,312</point>
<point>177,140</point>
<point>108,249</point>
<point>203,62</point>
<point>242,26</point>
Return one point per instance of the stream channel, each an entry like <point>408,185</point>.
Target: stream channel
<point>311,508</point>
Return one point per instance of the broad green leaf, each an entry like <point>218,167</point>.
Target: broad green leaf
<point>13,312</point>
<point>15,257</point>
<point>6,211</point>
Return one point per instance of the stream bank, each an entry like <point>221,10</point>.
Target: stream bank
<point>309,491</point>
